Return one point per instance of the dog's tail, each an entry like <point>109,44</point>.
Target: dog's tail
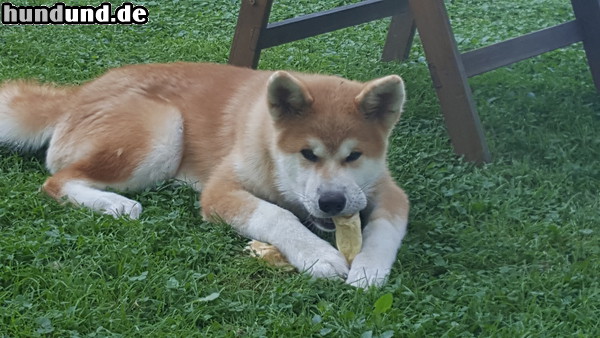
<point>29,113</point>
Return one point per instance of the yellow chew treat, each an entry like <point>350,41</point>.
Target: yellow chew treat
<point>348,235</point>
<point>268,253</point>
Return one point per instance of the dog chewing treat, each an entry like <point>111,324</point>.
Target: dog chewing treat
<point>348,235</point>
<point>274,154</point>
<point>348,239</point>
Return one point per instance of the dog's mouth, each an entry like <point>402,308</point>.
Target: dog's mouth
<point>323,224</point>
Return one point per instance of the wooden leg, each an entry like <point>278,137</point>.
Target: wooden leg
<point>449,80</point>
<point>400,36</point>
<point>252,20</point>
<point>587,13</point>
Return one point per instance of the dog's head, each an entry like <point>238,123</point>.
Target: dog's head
<point>331,139</point>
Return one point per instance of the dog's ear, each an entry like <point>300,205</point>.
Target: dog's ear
<point>286,95</point>
<point>382,99</point>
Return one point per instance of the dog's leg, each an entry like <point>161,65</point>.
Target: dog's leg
<point>225,199</point>
<point>132,146</point>
<point>75,187</point>
<point>381,237</point>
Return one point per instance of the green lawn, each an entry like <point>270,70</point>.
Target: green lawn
<point>510,249</point>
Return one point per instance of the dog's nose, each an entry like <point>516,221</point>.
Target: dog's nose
<point>332,203</point>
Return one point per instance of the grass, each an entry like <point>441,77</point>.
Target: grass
<point>508,249</point>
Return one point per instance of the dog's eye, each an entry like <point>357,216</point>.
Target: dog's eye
<point>353,156</point>
<point>309,155</point>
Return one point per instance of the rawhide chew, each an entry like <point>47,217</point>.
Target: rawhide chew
<point>269,253</point>
<point>348,235</point>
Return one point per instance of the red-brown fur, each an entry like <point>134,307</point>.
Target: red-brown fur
<point>105,131</point>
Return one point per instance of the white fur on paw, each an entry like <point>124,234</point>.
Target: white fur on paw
<point>121,206</point>
<point>366,272</point>
<point>106,202</point>
<point>328,263</point>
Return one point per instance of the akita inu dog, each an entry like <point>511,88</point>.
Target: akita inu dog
<point>273,153</point>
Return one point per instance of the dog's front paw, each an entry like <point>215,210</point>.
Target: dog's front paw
<point>324,262</point>
<point>367,271</point>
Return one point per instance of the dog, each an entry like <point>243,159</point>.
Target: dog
<point>275,154</point>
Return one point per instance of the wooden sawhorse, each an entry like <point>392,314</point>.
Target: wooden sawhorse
<point>448,67</point>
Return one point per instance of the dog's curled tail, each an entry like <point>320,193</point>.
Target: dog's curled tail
<point>29,112</point>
